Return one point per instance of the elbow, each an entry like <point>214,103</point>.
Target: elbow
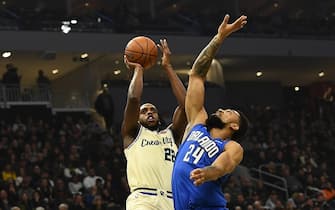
<point>133,98</point>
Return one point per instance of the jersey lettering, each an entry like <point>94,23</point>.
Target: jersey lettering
<point>205,142</point>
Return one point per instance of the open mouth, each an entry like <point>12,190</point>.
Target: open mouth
<point>151,119</point>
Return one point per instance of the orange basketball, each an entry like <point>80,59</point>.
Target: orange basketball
<point>142,50</point>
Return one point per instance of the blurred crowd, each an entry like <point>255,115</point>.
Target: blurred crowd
<point>289,148</point>
<point>60,163</point>
<point>72,163</point>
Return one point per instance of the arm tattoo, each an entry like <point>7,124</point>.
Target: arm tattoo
<point>204,60</point>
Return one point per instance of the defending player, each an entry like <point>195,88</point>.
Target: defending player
<point>209,151</point>
<point>150,151</point>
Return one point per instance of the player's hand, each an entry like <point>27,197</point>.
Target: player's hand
<point>198,176</point>
<point>163,46</point>
<point>131,65</point>
<point>225,29</point>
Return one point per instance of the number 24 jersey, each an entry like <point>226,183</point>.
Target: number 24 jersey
<point>197,151</point>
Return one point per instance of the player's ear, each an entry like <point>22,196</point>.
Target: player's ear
<point>234,126</point>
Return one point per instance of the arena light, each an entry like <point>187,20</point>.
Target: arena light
<point>66,28</point>
<point>321,74</point>
<point>296,88</point>
<point>55,71</point>
<point>259,73</point>
<point>73,21</point>
<point>84,55</point>
<point>117,71</point>
<point>6,54</point>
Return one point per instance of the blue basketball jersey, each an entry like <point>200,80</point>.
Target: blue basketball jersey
<point>197,151</point>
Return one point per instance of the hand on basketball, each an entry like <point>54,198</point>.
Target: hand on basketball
<point>163,46</point>
<point>198,176</point>
<point>131,65</point>
<point>225,29</point>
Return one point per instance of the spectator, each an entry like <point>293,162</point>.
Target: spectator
<point>8,173</point>
<point>42,80</point>
<point>63,206</point>
<point>4,202</point>
<point>43,84</point>
<point>10,77</point>
<point>329,194</point>
<point>90,179</point>
<point>75,185</point>
<point>104,105</point>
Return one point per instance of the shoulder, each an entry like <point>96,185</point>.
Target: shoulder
<point>231,144</point>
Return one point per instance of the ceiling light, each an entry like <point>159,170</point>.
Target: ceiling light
<point>4,2</point>
<point>65,28</point>
<point>321,74</point>
<point>99,20</point>
<point>117,71</point>
<point>55,71</point>
<point>296,88</point>
<point>6,54</point>
<point>276,5</point>
<point>116,61</point>
<point>74,21</point>
<point>105,85</point>
<point>259,73</point>
<point>86,4</point>
<point>188,63</point>
<point>84,55</point>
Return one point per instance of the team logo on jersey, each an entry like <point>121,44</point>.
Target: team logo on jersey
<point>205,142</point>
<point>164,140</point>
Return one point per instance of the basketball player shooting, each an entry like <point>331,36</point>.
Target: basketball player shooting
<point>151,151</point>
<point>209,152</point>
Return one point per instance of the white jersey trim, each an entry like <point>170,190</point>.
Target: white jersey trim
<point>136,138</point>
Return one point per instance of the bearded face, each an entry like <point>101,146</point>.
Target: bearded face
<point>213,121</point>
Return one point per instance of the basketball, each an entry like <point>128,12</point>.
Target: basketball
<point>142,50</point>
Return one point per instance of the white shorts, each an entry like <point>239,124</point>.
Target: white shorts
<point>149,199</point>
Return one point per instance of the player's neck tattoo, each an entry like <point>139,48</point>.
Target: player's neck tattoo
<point>204,60</point>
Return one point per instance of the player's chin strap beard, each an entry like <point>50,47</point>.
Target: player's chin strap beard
<point>214,121</point>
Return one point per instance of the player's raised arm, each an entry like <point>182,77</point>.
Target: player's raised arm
<point>131,113</point>
<point>179,117</point>
<point>196,91</point>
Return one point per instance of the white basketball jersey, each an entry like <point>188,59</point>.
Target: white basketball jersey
<point>150,159</point>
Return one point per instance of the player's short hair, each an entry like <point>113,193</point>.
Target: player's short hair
<point>243,127</point>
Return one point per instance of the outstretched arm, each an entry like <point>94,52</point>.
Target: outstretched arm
<point>225,163</point>
<point>178,89</point>
<point>196,91</point>
<point>131,113</point>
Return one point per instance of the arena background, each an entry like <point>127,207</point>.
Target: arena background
<point>52,133</point>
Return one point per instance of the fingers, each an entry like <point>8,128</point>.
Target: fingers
<point>226,19</point>
<point>163,46</point>
<point>125,60</point>
<point>198,176</point>
<point>242,20</point>
<point>166,47</point>
<point>160,47</point>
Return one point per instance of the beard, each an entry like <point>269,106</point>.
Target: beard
<point>214,121</point>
